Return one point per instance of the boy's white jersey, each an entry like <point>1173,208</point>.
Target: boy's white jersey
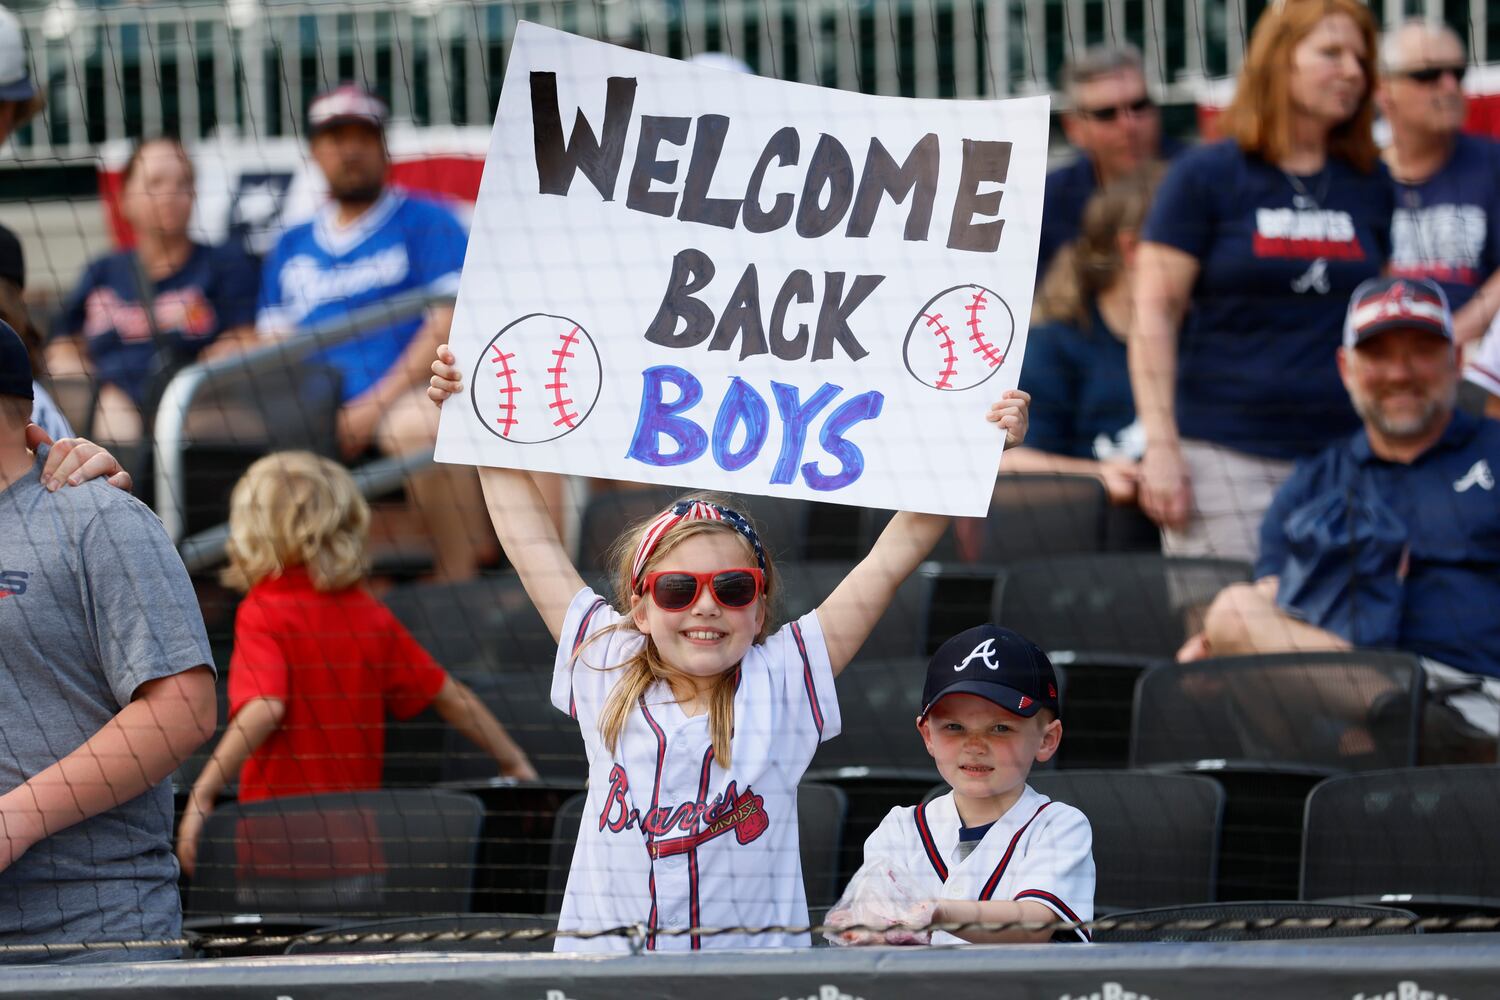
<point>1039,850</point>
<point>670,839</point>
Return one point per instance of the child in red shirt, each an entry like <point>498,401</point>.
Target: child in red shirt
<point>317,661</point>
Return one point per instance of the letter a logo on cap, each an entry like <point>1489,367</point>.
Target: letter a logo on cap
<point>1024,704</point>
<point>985,652</point>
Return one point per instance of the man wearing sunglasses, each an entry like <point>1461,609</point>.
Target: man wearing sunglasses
<point>1447,220</point>
<point>1116,128</point>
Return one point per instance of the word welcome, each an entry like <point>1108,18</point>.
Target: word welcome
<point>831,194</point>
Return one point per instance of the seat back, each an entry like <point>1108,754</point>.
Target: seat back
<point>1139,604</point>
<point>1427,831</point>
<point>1156,836</point>
<point>1262,921</point>
<point>359,854</point>
<point>1038,514</point>
<point>1356,710</point>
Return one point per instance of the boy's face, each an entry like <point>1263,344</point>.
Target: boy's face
<point>982,751</point>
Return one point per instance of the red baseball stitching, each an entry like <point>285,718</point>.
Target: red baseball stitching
<point>982,346</point>
<point>557,385</point>
<point>507,420</point>
<point>945,342</point>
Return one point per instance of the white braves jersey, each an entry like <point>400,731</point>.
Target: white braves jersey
<point>1483,368</point>
<point>670,839</point>
<point>1039,850</point>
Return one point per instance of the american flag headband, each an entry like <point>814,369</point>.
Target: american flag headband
<point>691,510</point>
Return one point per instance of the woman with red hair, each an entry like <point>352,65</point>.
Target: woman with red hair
<point>1247,261</point>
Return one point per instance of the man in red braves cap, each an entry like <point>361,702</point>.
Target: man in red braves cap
<point>1391,537</point>
<point>372,242</point>
<point>992,850</point>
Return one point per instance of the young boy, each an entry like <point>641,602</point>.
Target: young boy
<point>992,850</point>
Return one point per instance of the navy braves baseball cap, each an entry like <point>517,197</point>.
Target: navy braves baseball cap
<point>1380,305</point>
<point>345,103</point>
<point>15,364</point>
<point>996,664</point>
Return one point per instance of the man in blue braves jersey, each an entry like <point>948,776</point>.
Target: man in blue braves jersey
<point>369,243</point>
<point>1446,224</point>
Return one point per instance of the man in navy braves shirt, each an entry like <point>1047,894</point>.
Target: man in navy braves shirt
<point>1446,224</point>
<point>1116,128</point>
<point>1418,466</point>
<point>369,243</point>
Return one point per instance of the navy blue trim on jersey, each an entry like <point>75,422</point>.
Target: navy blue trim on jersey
<point>994,879</point>
<point>807,680</point>
<point>924,832</point>
<point>583,628</point>
<point>661,756</point>
<point>694,917</point>
<point>1056,903</point>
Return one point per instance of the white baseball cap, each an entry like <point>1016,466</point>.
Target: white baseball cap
<point>15,82</point>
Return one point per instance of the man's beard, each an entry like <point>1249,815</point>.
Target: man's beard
<point>357,192</point>
<point>1407,427</point>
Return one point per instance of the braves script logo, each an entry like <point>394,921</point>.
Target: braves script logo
<point>742,812</point>
<point>959,339</point>
<point>1303,234</point>
<point>537,380</point>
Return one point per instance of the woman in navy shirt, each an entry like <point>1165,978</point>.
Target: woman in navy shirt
<point>202,295</point>
<point>1082,414</point>
<point>1249,256</point>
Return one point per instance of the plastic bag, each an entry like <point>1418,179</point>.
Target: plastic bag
<point>877,897</point>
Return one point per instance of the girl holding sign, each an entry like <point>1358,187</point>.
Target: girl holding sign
<point>698,719</point>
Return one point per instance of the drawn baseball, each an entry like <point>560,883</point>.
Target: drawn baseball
<point>959,339</point>
<point>537,380</point>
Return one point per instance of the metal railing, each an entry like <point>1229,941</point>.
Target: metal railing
<point>170,440</point>
<point>249,67</point>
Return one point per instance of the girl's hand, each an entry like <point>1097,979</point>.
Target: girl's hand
<point>446,379</point>
<point>518,767</point>
<point>1012,413</point>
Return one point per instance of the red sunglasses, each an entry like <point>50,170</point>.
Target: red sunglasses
<point>674,590</point>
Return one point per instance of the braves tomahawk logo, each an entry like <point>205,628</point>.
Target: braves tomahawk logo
<point>537,379</point>
<point>743,813</point>
<point>959,339</point>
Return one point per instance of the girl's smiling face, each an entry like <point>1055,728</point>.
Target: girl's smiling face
<point>704,639</point>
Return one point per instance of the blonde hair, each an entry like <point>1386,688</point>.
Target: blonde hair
<point>295,508</point>
<point>1092,263</point>
<point>1259,118</point>
<point>647,666</point>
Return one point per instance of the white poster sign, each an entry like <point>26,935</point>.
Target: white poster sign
<point>686,276</point>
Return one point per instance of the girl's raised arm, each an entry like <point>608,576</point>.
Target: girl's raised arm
<point>849,614</point>
<point>521,520</point>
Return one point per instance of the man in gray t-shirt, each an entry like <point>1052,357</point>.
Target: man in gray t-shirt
<point>106,686</point>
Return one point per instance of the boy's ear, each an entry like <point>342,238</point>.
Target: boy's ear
<point>1051,739</point>
<point>926,731</point>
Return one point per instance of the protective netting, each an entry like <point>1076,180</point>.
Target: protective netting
<point>400,759</point>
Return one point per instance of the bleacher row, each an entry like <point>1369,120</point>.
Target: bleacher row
<point>1294,777</point>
